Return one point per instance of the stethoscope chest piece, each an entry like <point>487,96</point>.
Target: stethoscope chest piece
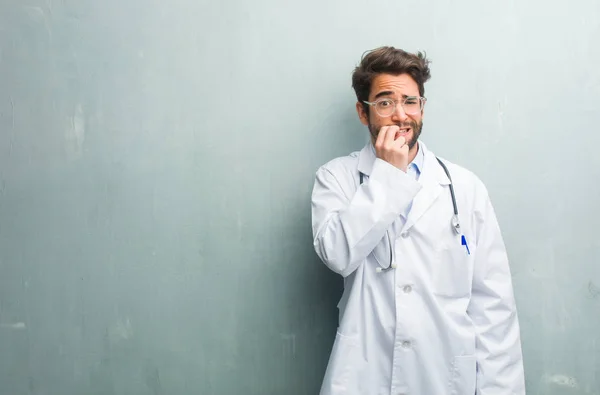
<point>455,224</point>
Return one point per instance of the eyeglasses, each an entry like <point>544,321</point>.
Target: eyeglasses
<point>410,104</point>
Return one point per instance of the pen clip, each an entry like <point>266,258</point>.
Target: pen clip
<point>464,242</point>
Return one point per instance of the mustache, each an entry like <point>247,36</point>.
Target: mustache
<point>414,125</point>
<point>411,124</point>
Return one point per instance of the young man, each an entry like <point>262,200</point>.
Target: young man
<point>428,306</point>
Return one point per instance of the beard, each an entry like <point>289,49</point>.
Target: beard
<point>415,126</point>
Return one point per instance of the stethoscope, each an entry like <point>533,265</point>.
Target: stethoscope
<point>455,220</point>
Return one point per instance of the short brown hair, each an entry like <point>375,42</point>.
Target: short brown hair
<point>389,60</point>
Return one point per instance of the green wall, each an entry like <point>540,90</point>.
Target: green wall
<point>157,159</point>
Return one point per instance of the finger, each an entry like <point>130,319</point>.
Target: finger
<point>400,142</point>
<point>381,136</point>
<point>391,135</point>
<point>398,133</point>
<point>404,150</point>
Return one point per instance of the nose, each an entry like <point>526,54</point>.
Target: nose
<point>399,114</point>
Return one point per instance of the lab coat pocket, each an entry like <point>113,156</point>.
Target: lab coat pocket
<point>452,272</point>
<point>464,375</point>
<point>341,369</point>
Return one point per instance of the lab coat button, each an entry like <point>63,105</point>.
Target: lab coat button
<point>407,289</point>
<point>404,235</point>
<point>406,344</point>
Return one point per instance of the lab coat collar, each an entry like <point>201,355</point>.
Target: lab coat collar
<point>431,171</point>
<point>432,178</point>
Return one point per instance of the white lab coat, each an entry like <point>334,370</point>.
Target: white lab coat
<point>444,321</point>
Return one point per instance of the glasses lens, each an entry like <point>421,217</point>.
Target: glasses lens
<point>385,107</point>
<point>412,105</point>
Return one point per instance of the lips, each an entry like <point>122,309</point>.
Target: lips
<point>402,132</point>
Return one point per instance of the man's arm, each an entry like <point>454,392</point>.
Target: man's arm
<point>493,309</point>
<point>346,228</point>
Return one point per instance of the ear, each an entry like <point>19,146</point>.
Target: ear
<point>362,115</point>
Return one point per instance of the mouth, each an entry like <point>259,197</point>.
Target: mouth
<point>403,132</point>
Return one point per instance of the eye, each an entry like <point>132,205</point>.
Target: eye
<point>385,103</point>
<point>411,101</point>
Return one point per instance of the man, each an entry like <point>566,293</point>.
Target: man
<point>428,306</point>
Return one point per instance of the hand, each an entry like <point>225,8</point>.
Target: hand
<point>391,147</point>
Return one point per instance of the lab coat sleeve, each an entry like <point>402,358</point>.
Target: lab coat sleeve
<point>347,221</point>
<point>493,310</point>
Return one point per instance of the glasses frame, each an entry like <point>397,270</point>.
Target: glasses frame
<point>422,101</point>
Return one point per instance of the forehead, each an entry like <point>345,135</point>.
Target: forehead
<point>398,85</point>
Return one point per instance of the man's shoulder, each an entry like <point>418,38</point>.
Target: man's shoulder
<point>341,164</point>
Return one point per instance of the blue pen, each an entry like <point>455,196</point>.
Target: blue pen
<point>464,242</point>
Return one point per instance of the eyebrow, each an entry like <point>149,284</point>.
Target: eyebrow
<point>390,93</point>
<point>383,93</point>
